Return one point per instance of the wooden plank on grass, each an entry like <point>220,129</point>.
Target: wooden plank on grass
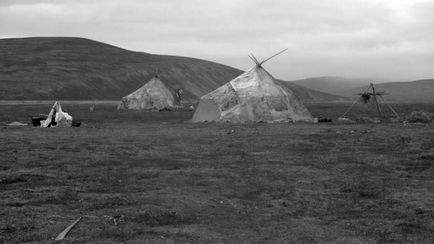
<point>65,232</point>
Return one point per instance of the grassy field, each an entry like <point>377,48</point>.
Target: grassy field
<point>139,177</point>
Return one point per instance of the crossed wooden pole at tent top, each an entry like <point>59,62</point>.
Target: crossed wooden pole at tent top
<point>253,58</point>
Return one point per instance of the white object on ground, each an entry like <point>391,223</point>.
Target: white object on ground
<point>65,232</point>
<point>61,118</point>
<point>16,123</point>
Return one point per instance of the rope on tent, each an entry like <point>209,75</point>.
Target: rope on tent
<point>390,107</point>
<point>355,101</point>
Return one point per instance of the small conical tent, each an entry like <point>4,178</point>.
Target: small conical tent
<point>154,95</point>
<point>254,96</point>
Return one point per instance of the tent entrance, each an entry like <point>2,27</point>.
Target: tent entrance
<point>206,111</point>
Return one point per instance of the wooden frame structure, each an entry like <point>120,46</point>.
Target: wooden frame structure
<point>366,96</point>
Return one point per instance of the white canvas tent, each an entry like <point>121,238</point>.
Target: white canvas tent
<point>254,96</point>
<point>57,117</point>
<point>154,95</point>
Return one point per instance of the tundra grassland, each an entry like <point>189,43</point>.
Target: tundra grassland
<point>152,177</point>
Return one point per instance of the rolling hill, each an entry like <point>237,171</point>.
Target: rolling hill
<point>331,84</point>
<point>404,92</point>
<point>310,95</point>
<point>69,68</point>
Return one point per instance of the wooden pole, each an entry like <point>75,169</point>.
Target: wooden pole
<point>390,107</point>
<point>65,232</point>
<point>263,61</point>
<point>355,101</point>
<point>256,60</point>
<point>376,101</point>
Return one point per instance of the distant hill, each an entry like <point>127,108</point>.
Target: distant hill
<point>331,84</point>
<point>66,68</point>
<point>82,69</point>
<point>413,91</point>
<point>310,95</point>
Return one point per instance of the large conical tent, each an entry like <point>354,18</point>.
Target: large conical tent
<point>154,95</point>
<point>254,96</point>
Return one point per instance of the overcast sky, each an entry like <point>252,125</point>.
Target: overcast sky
<point>382,39</point>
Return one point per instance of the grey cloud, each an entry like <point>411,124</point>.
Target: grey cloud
<point>329,37</point>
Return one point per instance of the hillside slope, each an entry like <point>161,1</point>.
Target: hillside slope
<point>330,84</point>
<point>78,69</point>
<point>310,95</point>
<point>412,91</point>
<point>65,68</point>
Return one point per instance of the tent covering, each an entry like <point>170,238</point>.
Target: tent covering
<point>154,95</point>
<point>254,96</point>
<point>56,115</point>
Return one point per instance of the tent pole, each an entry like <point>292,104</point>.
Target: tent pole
<point>390,107</point>
<point>256,60</point>
<point>263,61</point>
<point>348,110</point>
<point>375,100</point>
<point>355,101</point>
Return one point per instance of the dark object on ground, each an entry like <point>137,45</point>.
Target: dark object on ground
<point>323,119</point>
<point>420,116</point>
<point>76,123</point>
<point>36,120</point>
